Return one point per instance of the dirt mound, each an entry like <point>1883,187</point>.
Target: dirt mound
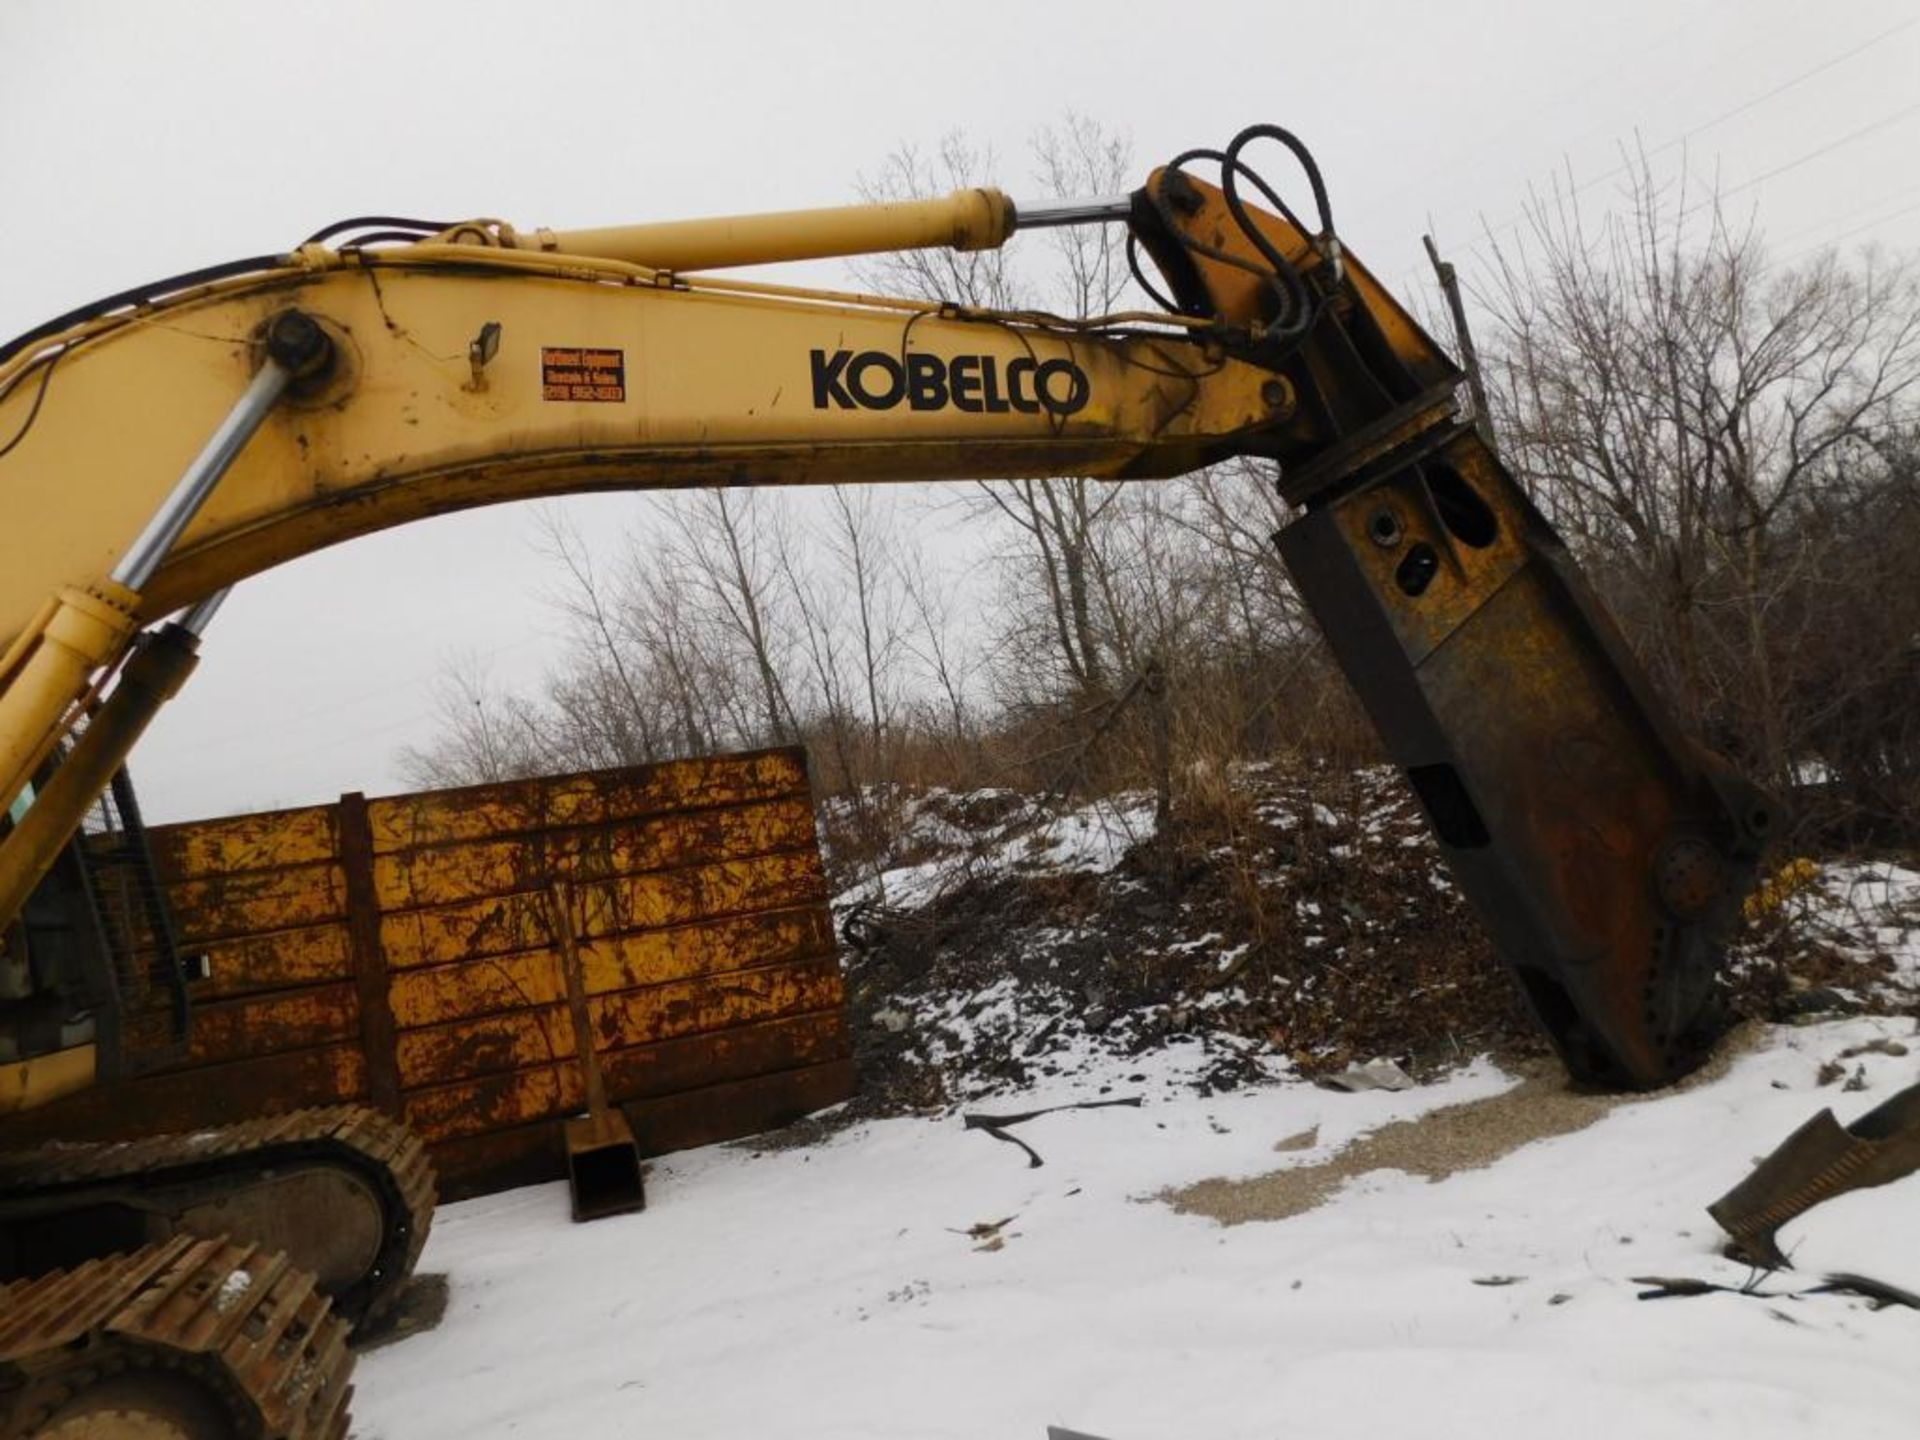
<point>1301,921</point>
<point>1310,924</point>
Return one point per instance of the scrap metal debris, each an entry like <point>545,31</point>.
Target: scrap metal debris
<point>1881,1046</point>
<point>985,1229</point>
<point>1376,1074</point>
<point>1818,1161</point>
<point>1878,1291</point>
<point>1668,1287</point>
<point>996,1125</point>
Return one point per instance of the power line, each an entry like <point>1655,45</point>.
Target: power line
<point>1815,154</point>
<point>1827,222</point>
<point>1737,110</point>
<point>1844,235</point>
<point>1787,85</point>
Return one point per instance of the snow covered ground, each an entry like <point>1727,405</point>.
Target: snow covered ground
<point>908,1277</point>
<point>1873,908</point>
<point>834,1290</point>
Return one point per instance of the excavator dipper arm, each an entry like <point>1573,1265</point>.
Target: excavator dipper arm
<point>478,364</point>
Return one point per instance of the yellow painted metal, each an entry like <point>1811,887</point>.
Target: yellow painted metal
<point>199,1096</point>
<point>497,1102</point>
<point>159,667</point>
<point>965,220</point>
<point>53,651</point>
<point>687,1007</point>
<point>439,996</point>
<point>486,1044</point>
<point>430,876</point>
<point>442,994</point>
<point>710,947</point>
<point>503,924</point>
<point>258,902</point>
<point>26,1084</point>
<point>1237,292</point>
<point>705,948</point>
<point>436,994</point>
<point>718,389</point>
<point>435,818</point>
<point>694,381</point>
<point>271,840</point>
<point>711,383</point>
<point>273,1023</point>
<point>272,960</point>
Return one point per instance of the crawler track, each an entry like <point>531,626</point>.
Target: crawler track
<point>192,1337</point>
<point>56,1199</point>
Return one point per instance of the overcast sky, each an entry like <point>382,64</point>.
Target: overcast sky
<point>149,138</point>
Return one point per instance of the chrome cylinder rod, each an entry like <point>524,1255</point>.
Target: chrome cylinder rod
<point>1098,210</point>
<point>197,617</point>
<point>176,512</point>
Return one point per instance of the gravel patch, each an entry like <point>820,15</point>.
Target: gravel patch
<point>1469,1136</point>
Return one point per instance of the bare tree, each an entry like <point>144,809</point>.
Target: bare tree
<point>1729,445</point>
<point>729,542</point>
<point>602,693</point>
<point>485,734</point>
<point>1051,568</point>
<point>1683,408</point>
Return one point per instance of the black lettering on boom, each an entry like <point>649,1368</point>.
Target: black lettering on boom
<point>1048,381</point>
<point>926,382</point>
<point>975,384</point>
<point>864,364</point>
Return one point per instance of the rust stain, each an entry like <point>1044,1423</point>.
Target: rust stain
<point>249,963</point>
<point>182,1100</point>
<point>347,1068</point>
<point>270,1024</point>
<point>245,842</point>
<point>494,1103</point>
<point>480,812</point>
<point>253,902</point>
<point>516,1040</point>
<point>686,1007</point>
<point>706,945</point>
<point>452,992</point>
<point>437,875</point>
<point>439,993</point>
<point>740,1053</point>
<point>502,924</point>
<point>653,957</point>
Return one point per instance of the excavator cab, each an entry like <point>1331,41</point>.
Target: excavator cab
<point>91,958</point>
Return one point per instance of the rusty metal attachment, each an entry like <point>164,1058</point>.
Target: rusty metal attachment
<point>1605,852</point>
<point>1818,1161</point>
<point>603,1159</point>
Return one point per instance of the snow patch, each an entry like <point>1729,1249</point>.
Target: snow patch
<point>839,1291</point>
